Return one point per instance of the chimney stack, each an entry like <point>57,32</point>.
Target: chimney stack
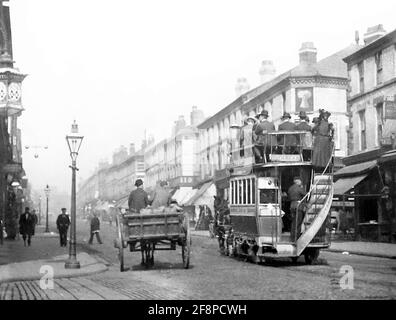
<point>241,87</point>
<point>357,37</point>
<point>267,71</point>
<point>131,149</point>
<point>373,33</point>
<point>196,116</point>
<point>308,54</point>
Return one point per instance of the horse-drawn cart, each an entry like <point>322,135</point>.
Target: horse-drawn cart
<point>153,230</point>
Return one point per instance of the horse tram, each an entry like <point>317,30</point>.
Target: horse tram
<point>258,204</point>
<point>152,230</point>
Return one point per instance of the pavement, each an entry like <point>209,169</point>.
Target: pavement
<point>371,249</point>
<point>43,258</point>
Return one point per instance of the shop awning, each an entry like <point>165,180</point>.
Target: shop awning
<point>388,156</point>
<point>356,169</point>
<point>181,193</point>
<point>188,196</point>
<point>205,193</point>
<point>343,185</point>
<point>122,203</point>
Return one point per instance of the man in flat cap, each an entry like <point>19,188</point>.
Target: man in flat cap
<point>138,198</point>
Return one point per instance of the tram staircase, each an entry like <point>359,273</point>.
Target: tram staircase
<point>319,203</point>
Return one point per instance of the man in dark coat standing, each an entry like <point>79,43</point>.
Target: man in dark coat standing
<point>261,131</point>
<point>95,227</point>
<point>290,141</point>
<point>138,199</point>
<point>26,226</point>
<point>296,193</point>
<point>306,142</point>
<point>63,223</point>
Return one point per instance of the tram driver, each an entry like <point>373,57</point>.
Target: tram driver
<point>296,193</point>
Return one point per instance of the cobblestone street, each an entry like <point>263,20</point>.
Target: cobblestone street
<point>212,276</point>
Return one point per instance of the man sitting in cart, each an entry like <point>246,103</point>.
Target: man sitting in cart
<point>161,196</point>
<point>138,199</point>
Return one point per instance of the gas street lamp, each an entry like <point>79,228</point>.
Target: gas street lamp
<point>40,210</point>
<point>74,140</point>
<point>47,191</point>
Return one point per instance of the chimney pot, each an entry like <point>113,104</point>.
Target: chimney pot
<point>307,53</point>
<point>267,71</point>
<point>374,33</point>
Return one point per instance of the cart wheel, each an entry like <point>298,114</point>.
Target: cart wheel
<point>311,255</point>
<point>186,249</point>
<point>120,243</point>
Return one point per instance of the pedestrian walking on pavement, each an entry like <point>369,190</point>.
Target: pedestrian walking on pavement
<point>35,220</point>
<point>63,223</point>
<point>26,226</point>
<point>95,227</point>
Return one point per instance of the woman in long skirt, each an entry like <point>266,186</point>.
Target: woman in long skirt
<point>323,144</point>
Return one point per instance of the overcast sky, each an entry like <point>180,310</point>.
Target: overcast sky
<point>121,66</point>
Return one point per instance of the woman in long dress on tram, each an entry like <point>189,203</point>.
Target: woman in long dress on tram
<point>323,134</point>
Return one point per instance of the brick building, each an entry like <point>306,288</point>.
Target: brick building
<point>369,178</point>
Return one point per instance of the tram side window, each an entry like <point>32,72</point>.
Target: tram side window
<point>244,191</point>
<point>268,196</point>
<point>240,192</point>
<point>248,191</point>
<point>232,192</point>
<point>253,191</point>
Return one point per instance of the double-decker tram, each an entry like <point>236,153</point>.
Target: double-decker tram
<point>260,208</point>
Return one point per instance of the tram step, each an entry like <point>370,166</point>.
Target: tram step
<point>320,199</point>
<point>321,189</point>
<point>315,209</point>
<point>321,176</point>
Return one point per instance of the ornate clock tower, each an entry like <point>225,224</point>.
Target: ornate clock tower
<point>11,108</point>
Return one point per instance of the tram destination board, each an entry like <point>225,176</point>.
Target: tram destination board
<point>285,157</point>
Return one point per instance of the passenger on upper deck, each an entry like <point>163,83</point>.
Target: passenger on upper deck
<point>291,140</point>
<point>303,124</point>
<point>247,136</point>
<point>263,139</point>
<point>306,142</point>
<point>323,145</point>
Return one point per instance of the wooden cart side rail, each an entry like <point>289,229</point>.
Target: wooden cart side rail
<point>151,223</point>
<point>157,236</point>
<point>136,216</point>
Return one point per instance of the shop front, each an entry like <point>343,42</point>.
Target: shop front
<point>365,184</point>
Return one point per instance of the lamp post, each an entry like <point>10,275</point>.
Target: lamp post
<point>47,191</point>
<point>74,141</point>
<point>40,210</point>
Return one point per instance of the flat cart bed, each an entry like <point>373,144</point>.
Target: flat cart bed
<point>147,232</point>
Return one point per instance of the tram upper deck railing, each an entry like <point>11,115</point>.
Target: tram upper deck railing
<point>272,147</point>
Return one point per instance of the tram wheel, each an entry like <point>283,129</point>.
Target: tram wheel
<point>294,259</point>
<point>311,255</point>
